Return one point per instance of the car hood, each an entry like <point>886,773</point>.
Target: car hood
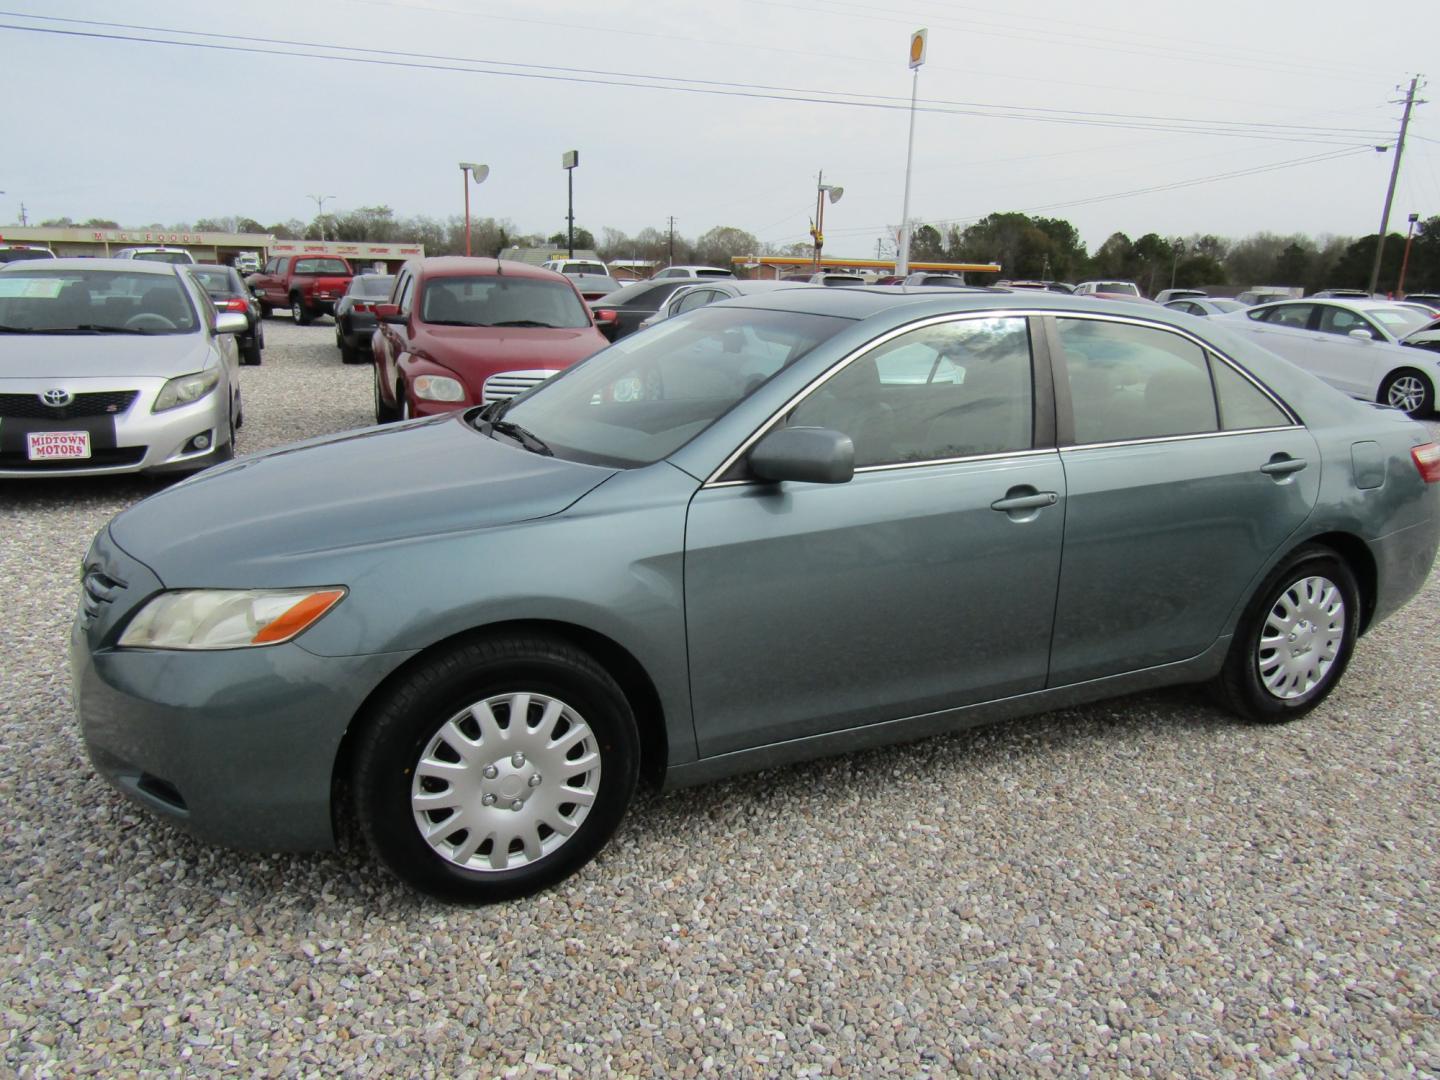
<point>87,356</point>
<point>242,524</point>
<point>459,347</point>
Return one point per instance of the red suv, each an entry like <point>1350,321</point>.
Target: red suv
<point>462,332</point>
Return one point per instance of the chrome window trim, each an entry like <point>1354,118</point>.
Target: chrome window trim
<point>926,464</point>
<point>1152,439</point>
<point>713,480</point>
<point>1205,347</point>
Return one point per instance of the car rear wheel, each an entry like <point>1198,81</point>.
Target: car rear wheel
<point>300,313</point>
<point>266,310</point>
<point>250,354</point>
<point>348,353</point>
<point>1409,391</point>
<point>493,769</point>
<point>1295,639</point>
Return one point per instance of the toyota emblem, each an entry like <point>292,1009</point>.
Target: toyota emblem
<point>57,399</point>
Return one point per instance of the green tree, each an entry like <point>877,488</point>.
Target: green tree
<point>927,244</point>
<point>1115,258</point>
<point>722,243</point>
<point>584,239</point>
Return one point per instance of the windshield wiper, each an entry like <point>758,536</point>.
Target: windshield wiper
<point>487,422</point>
<point>526,322</point>
<point>454,322</point>
<point>18,330</point>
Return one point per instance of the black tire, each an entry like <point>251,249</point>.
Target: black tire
<point>417,720</point>
<point>1253,684</point>
<point>302,315</point>
<point>348,353</point>
<point>266,310</point>
<point>1410,391</point>
<point>384,412</point>
<point>250,354</point>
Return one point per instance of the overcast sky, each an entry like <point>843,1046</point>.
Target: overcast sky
<point>142,132</point>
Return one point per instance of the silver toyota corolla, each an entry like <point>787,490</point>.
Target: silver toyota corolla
<point>113,366</point>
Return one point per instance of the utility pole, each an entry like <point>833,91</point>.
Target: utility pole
<point>672,241</point>
<point>1410,104</point>
<point>23,219</point>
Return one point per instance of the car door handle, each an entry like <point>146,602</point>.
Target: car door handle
<point>1283,466</point>
<point>1026,502</point>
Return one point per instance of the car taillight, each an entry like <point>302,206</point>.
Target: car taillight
<point>605,315</point>
<point>1427,460</point>
<point>234,304</point>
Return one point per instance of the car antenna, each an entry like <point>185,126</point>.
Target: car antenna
<point>499,270</point>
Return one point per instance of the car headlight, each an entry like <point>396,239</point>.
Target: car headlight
<point>186,389</point>
<point>438,388</point>
<point>227,618</point>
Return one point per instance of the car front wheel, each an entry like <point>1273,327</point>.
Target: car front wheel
<point>1409,391</point>
<point>299,313</point>
<point>495,768</point>
<point>385,413</point>
<point>1295,639</point>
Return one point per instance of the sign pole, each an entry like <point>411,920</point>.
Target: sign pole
<point>917,58</point>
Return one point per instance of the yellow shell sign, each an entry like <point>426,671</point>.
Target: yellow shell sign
<point>917,48</point>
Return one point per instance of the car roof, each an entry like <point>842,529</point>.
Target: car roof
<point>130,266</point>
<point>863,301</point>
<point>473,266</point>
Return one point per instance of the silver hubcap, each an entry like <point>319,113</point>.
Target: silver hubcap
<point>1407,393</point>
<point>1301,637</point>
<point>506,782</point>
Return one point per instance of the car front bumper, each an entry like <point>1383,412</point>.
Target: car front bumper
<point>236,746</point>
<point>134,440</point>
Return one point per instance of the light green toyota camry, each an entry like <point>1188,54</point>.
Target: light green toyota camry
<point>790,524</point>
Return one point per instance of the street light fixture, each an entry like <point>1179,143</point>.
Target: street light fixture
<point>1404,263</point>
<point>479,172</point>
<point>818,232</point>
<point>320,201</point>
<point>568,161</point>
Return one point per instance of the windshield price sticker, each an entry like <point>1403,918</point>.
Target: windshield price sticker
<point>57,445</point>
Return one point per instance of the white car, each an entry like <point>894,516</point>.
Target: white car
<point>178,256</point>
<point>1359,346</point>
<point>1109,288</point>
<point>114,366</point>
<point>691,272</point>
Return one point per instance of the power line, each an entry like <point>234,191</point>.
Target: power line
<point>549,72</point>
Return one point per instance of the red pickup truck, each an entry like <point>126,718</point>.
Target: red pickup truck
<point>309,285</point>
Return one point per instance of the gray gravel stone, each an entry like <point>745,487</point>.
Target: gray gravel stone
<point>1142,887</point>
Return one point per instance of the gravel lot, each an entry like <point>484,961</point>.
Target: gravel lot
<point>1144,886</point>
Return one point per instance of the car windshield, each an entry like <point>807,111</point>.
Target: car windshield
<point>372,285</point>
<point>174,257</point>
<point>214,280</point>
<point>647,395</point>
<point>1398,320</point>
<point>320,266</point>
<point>43,301</point>
<point>9,255</point>
<point>1117,287</point>
<point>501,300</point>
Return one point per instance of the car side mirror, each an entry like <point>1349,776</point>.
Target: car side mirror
<point>389,313</point>
<point>1361,334</point>
<point>231,322</point>
<point>810,455</point>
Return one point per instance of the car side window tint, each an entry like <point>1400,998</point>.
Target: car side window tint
<point>1243,405</point>
<point>952,390</point>
<point>407,290</point>
<point>692,300</point>
<point>1134,382</point>
<point>1296,315</point>
<point>1336,320</point>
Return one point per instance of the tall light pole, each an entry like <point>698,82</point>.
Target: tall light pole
<point>479,172</point>
<point>1177,248</point>
<point>1404,263</point>
<point>1410,103</point>
<point>568,161</point>
<point>320,201</point>
<point>917,58</point>
<point>818,232</point>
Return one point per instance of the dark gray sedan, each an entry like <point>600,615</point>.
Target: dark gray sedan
<point>781,526</point>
